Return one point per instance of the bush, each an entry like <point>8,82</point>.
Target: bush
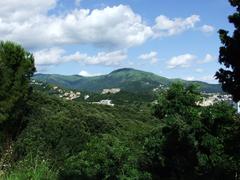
<point>103,158</point>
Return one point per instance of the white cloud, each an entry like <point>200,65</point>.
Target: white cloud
<point>117,27</point>
<point>109,59</point>
<point>190,78</point>
<point>58,56</point>
<point>152,56</point>
<point>207,59</point>
<point>49,56</point>
<point>29,23</point>
<point>113,27</point>
<point>207,28</point>
<point>168,27</point>
<point>87,74</point>
<point>181,61</point>
<point>15,11</point>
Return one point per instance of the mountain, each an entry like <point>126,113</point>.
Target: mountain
<point>127,79</point>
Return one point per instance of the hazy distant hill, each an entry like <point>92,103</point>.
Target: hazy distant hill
<point>127,79</point>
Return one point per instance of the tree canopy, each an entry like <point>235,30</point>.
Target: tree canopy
<point>16,69</point>
<point>192,142</point>
<point>229,55</point>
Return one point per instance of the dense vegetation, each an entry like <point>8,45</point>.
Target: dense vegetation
<point>74,140</point>
<point>229,55</point>
<point>45,137</point>
<point>16,69</point>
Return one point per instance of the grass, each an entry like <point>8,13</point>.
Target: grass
<point>32,169</point>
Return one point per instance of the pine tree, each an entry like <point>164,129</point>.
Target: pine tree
<point>16,69</point>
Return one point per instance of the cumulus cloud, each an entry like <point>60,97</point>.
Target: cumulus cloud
<point>20,11</point>
<point>181,61</point>
<point>116,26</point>
<point>88,74</point>
<point>29,23</point>
<point>207,28</point>
<point>152,57</point>
<point>49,56</point>
<point>55,56</point>
<point>167,27</point>
<point>207,59</point>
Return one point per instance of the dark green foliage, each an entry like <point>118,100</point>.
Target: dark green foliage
<point>86,141</point>
<point>61,130</point>
<point>171,150</point>
<point>104,158</point>
<point>55,129</point>
<point>177,100</point>
<point>229,55</point>
<point>219,156</point>
<point>16,69</point>
<point>192,142</point>
<point>122,98</point>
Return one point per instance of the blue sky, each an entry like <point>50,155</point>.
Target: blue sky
<point>92,37</point>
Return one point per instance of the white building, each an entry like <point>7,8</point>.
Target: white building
<point>111,91</point>
<point>104,102</point>
<point>86,97</point>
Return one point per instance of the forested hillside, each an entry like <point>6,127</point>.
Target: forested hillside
<point>63,139</point>
<point>127,79</point>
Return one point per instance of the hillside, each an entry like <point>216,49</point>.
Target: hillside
<point>127,79</point>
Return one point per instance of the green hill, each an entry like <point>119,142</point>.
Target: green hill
<point>127,79</point>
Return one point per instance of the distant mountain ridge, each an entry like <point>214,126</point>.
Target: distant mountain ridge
<point>127,79</point>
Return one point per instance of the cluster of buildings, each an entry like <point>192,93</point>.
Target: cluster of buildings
<point>159,88</point>
<point>34,82</point>
<point>68,95</point>
<point>212,98</point>
<point>111,91</point>
<point>71,95</point>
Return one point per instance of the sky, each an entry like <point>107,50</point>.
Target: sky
<point>174,39</point>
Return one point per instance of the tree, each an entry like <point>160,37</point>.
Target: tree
<point>192,142</point>
<point>16,69</point>
<point>178,99</point>
<point>103,158</point>
<point>229,56</point>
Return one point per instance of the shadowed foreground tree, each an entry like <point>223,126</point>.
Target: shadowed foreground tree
<point>230,55</point>
<point>16,69</point>
<point>192,142</point>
